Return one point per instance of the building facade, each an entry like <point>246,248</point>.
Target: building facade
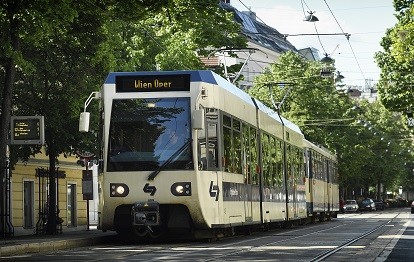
<point>30,194</point>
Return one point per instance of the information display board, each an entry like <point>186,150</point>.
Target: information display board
<point>27,130</point>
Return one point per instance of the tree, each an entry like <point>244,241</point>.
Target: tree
<point>53,77</point>
<point>21,22</point>
<point>396,61</point>
<point>173,38</point>
<point>309,100</point>
<point>366,137</point>
<point>62,51</point>
<point>57,50</point>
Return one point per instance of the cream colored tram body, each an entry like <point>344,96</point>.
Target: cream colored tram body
<point>322,189</point>
<point>188,153</point>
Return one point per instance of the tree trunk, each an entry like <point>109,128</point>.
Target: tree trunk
<point>10,75</point>
<point>52,208</point>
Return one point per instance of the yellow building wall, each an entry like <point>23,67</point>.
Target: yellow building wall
<point>27,172</point>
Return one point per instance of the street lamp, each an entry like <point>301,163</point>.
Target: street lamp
<point>327,60</point>
<point>310,17</point>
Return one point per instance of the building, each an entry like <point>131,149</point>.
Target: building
<point>29,187</point>
<point>264,46</point>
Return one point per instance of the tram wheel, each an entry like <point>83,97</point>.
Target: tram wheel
<point>140,231</point>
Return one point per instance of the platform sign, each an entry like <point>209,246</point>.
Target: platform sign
<point>87,185</point>
<point>27,130</point>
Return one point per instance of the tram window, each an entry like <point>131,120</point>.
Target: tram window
<point>202,154</point>
<point>279,164</point>
<point>208,153</point>
<point>237,146</point>
<point>288,163</point>
<point>246,154</point>
<point>236,125</point>
<point>273,165</point>
<point>319,167</point>
<point>299,165</point>
<point>294,168</point>
<point>212,155</point>
<point>226,121</point>
<point>232,142</point>
<point>335,170</point>
<point>202,150</point>
<point>227,148</point>
<point>265,159</point>
<point>146,134</point>
<point>254,156</point>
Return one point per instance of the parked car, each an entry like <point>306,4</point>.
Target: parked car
<point>412,207</point>
<point>351,206</point>
<point>379,204</point>
<point>367,204</point>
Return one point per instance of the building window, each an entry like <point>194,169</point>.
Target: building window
<point>28,204</point>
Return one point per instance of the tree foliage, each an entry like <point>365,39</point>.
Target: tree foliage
<point>308,99</point>
<point>367,138</point>
<point>54,53</point>
<point>396,61</point>
<point>173,38</point>
<point>67,53</point>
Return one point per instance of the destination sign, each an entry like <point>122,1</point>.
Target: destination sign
<point>152,83</point>
<point>27,130</point>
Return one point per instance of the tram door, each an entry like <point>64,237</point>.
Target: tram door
<point>209,154</point>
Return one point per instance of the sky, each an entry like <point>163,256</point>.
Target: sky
<point>365,20</point>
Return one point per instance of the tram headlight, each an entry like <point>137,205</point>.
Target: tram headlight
<point>181,189</point>
<point>119,190</point>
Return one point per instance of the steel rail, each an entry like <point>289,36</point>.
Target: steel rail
<point>329,253</point>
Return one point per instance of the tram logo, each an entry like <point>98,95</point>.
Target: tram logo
<point>149,189</point>
<point>214,190</point>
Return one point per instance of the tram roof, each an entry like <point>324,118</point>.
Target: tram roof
<point>207,76</point>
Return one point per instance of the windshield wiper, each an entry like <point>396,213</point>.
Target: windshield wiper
<point>169,160</point>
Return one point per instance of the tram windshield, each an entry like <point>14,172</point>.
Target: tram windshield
<point>146,134</point>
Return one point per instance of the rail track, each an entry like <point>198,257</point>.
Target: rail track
<point>328,240</point>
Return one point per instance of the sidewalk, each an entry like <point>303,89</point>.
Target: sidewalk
<point>44,243</point>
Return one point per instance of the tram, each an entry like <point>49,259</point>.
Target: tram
<point>322,196</point>
<point>188,153</point>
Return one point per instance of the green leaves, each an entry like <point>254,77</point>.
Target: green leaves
<point>64,49</point>
<point>397,60</point>
<point>366,136</point>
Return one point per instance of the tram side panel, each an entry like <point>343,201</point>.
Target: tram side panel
<point>272,171</point>
<point>308,183</point>
<point>333,181</point>
<point>322,182</point>
<point>239,160</point>
<point>295,176</point>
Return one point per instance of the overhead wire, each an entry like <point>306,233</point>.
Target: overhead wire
<point>319,38</point>
<point>347,37</point>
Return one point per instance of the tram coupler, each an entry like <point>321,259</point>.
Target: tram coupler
<point>146,213</point>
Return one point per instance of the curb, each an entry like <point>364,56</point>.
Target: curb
<point>48,246</point>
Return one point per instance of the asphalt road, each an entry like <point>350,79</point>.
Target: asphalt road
<point>373,236</point>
